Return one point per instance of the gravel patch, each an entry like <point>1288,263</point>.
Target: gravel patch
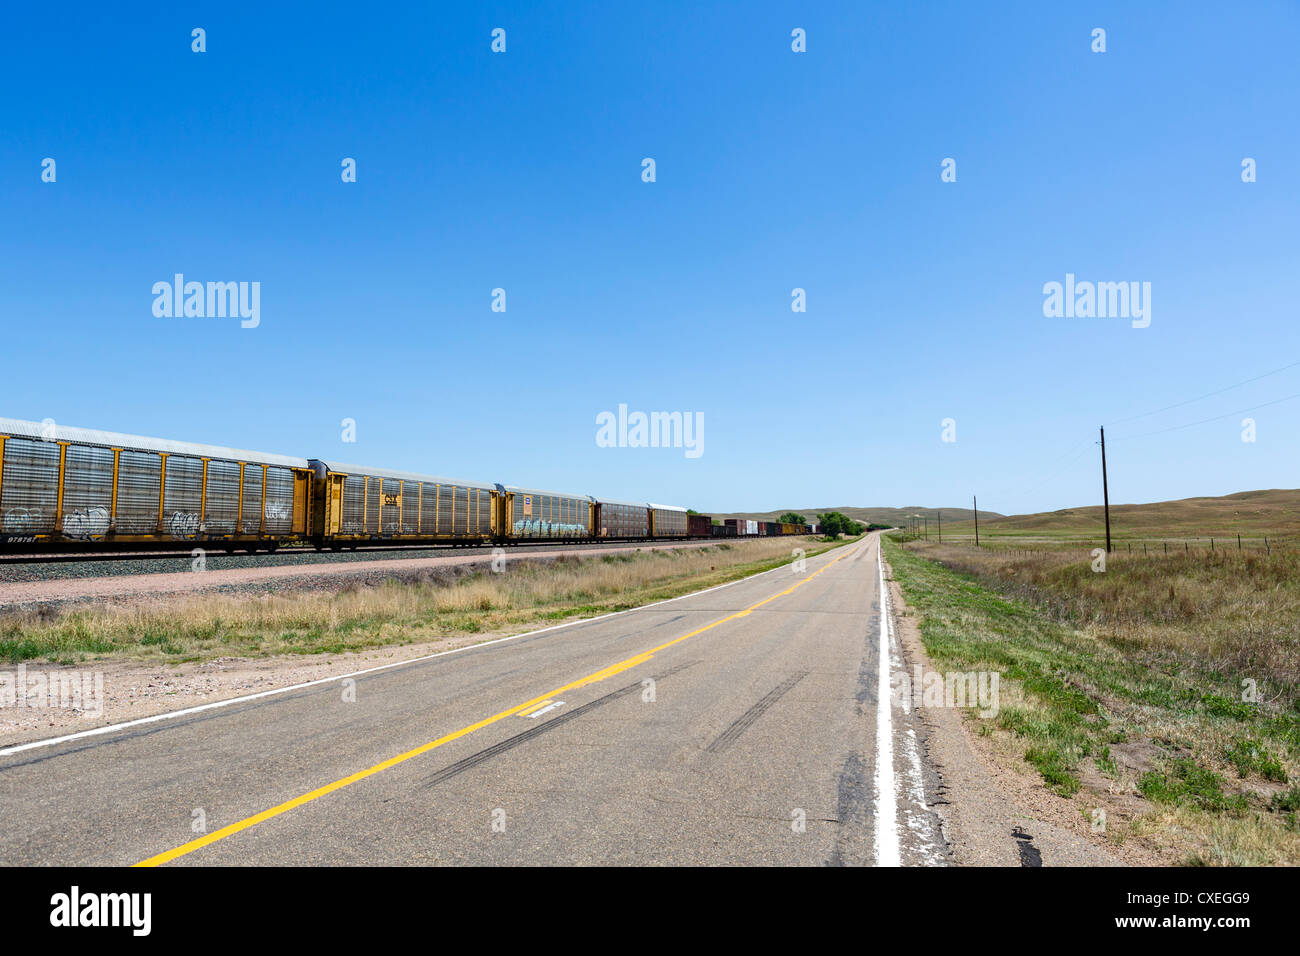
<point>18,568</point>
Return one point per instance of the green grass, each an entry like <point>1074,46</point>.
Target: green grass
<point>1187,783</point>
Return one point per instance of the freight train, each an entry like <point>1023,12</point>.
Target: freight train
<point>75,489</point>
<point>747,528</point>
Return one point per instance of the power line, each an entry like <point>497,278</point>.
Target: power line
<point>1174,428</point>
<point>1120,421</point>
<point>1071,455</point>
<point>1087,445</point>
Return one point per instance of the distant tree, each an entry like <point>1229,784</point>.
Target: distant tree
<point>833,523</point>
<point>791,518</point>
<point>691,511</point>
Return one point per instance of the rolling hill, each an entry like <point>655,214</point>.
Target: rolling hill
<point>1272,512</point>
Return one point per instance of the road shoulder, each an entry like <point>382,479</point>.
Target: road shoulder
<point>991,815</point>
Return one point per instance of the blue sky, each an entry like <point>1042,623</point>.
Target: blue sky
<point>775,170</point>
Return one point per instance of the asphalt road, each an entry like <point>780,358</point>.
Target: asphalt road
<point>734,726</point>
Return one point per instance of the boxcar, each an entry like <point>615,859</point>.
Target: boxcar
<point>667,521</point>
<point>74,489</point>
<point>620,519</point>
<point>359,503</point>
<point>699,526</point>
<point>526,513</point>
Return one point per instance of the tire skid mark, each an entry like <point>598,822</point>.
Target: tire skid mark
<point>746,720</point>
<point>473,760</point>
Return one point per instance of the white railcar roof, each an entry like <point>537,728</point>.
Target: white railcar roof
<point>540,491</point>
<point>665,507</point>
<point>359,470</point>
<point>616,501</point>
<point>88,436</point>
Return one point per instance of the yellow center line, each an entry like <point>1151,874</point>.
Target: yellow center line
<point>535,703</point>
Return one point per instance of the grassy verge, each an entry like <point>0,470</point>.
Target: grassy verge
<point>1125,690</point>
<point>523,595</point>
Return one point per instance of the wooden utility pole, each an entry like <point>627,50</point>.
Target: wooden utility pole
<point>975,506</point>
<point>1105,490</point>
<point>939,515</point>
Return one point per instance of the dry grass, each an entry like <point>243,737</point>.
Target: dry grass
<point>430,607</point>
<point>1228,612</point>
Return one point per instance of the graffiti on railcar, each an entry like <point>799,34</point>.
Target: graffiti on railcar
<point>183,524</point>
<point>86,524</point>
<point>534,528</point>
<point>23,521</point>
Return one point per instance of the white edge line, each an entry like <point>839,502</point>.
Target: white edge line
<point>169,715</point>
<point>887,845</point>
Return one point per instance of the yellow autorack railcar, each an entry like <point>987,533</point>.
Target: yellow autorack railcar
<point>71,489</point>
<point>362,504</point>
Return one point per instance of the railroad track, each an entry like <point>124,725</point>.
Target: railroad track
<point>162,555</point>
